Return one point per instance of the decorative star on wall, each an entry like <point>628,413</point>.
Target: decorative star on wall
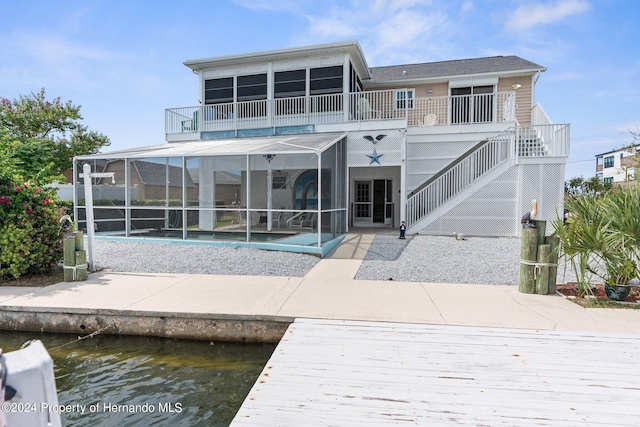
<point>375,157</point>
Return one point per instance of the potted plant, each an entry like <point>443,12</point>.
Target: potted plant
<point>620,271</point>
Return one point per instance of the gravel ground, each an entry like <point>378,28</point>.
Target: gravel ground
<point>440,259</point>
<point>443,259</point>
<point>142,257</point>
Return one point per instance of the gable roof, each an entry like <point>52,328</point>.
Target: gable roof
<point>460,67</point>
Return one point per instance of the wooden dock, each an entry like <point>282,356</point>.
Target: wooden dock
<point>342,373</point>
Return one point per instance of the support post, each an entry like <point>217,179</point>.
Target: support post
<point>542,279</point>
<point>554,242</point>
<point>79,236</point>
<point>528,257</point>
<point>69,258</point>
<point>81,265</point>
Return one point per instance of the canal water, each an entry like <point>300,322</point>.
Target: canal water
<point>168,382</point>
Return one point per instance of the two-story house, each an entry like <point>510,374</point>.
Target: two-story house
<point>321,142</point>
<point>618,166</point>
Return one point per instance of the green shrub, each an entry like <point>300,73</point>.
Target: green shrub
<point>29,227</point>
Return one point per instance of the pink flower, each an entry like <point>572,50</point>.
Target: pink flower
<point>18,189</point>
<point>45,201</point>
<point>29,211</point>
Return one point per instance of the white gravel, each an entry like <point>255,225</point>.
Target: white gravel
<point>443,259</point>
<point>478,260</point>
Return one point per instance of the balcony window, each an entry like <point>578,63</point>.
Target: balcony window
<point>252,87</point>
<point>289,84</point>
<point>608,180</point>
<point>218,91</point>
<point>608,162</point>
<point>404,99</point>
<point>325,80</point>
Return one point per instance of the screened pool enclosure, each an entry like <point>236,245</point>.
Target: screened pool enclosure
<point>281,192</point>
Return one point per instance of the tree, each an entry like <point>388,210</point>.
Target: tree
<point>42,137</point>
<point>578,186</point>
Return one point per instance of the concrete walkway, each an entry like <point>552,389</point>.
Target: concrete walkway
<point>328,291</point>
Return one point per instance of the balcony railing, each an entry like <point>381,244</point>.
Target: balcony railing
<point>342,108</point>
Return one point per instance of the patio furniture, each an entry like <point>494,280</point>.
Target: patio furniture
<point>302,220</point>
<point>429,120</point>
<point>365,112</point>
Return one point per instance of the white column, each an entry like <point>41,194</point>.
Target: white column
<point>207,193</point>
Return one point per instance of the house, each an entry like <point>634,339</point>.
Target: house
<point>322,143</point>
<point>617,167</point>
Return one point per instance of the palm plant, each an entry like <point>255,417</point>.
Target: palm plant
<point>601,235</point>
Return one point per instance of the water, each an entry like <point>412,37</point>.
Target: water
<point>174,382</point>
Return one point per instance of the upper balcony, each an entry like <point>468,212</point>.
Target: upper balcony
<point>233,119</point>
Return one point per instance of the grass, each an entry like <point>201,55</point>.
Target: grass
<point>44,278</point>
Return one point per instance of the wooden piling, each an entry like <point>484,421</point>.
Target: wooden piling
<point>529,254</point>
<point>69,258</point>
<point>542,279</point>
<point>79,236</point>
<point>554,243</point>
<point>81,265</point>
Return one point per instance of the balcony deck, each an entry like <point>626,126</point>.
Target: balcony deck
<point>303,114</point>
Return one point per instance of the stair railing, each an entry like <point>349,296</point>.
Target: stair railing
<point>459,175</point>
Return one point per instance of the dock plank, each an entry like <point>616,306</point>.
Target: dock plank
<point>345,373</point>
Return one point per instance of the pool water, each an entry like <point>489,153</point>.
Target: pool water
<point>186,383</point>
<point>226,236</point>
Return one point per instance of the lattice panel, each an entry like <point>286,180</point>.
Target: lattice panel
<point>489,212</point>
<point>387,149</point>
<point>545,183</point>
<point>448,149</point>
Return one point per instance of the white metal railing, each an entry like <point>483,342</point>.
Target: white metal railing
<point>339,108</point>
<point>551,140</point>
<point>459,176</point>
<point>542,140</point>
<point>463,109</point>
<point>539,116</point>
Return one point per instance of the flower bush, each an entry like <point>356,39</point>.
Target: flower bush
<point>29,227</point>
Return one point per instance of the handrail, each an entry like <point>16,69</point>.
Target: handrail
<point>459,175</point>
<point>340,108</point>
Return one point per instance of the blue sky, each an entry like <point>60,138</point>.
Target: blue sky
<point>123,60</point>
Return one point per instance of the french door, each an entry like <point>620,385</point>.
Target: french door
<point>373,202</point>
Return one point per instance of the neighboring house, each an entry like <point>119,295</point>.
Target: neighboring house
<point>450,146</point>
<point>618,166</point>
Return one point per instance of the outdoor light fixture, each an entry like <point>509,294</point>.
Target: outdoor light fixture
<point>516,86</point>
<point>269,157</point>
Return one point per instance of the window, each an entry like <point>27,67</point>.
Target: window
<point>608,180</point>
<point>325,80</point>
<point>404,98</point>
<point>279,182</point>
<point>608,162</point>
<point>217,91</point>
<point>289,84</point>
<point>252,87</point>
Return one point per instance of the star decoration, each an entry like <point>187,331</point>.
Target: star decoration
<point>375,157</point>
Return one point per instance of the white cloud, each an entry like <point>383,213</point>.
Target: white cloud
<point>467,6</point>
<point>532,14</point>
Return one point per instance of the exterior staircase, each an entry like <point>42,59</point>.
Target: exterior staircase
<point>461,178</point>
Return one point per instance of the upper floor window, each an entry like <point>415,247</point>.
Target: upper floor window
<point>252,87</point>
<point>608,180</point>
<point>404,98</point>
<point>289,84</point>
<point>325,80</point>
<point>217,91</point>
<point>608,162</point>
